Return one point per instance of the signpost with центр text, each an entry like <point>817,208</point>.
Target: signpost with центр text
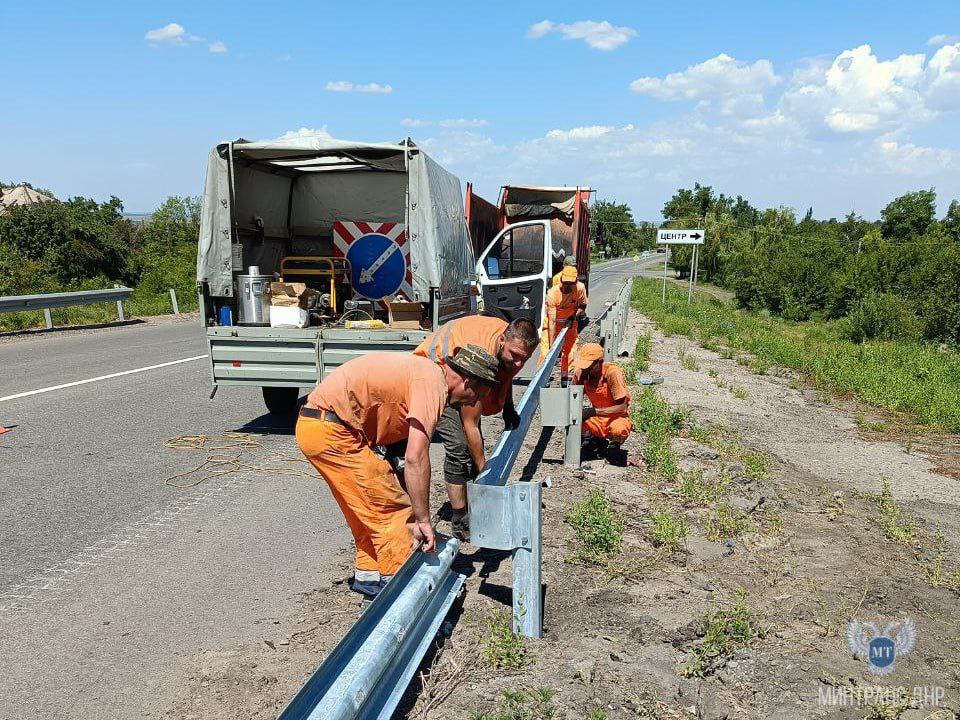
<point>679,236</point>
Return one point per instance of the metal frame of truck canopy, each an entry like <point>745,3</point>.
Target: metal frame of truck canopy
<point>269,196</point>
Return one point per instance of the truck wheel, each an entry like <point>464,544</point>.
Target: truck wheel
<point>281,400</point>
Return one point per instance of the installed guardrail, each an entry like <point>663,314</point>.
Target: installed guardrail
<point>366,674</point>
<point>22,303</point>
<point>613,321</point>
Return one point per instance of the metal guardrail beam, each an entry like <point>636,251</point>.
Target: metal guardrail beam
<point>21,303</point>
<point>368,671</point>
<point>24,303</point>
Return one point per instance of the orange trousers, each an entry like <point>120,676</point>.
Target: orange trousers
<point>609,427</point>
<point>566,353</point>
<point>365,487</point>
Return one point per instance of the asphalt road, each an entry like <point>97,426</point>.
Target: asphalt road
<point>111,579</point>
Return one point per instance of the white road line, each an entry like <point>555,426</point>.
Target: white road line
<point>102,377</point>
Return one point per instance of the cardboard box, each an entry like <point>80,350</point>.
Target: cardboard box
<point>281,316</point>
<point>286,294</point>
<point>404,315</point>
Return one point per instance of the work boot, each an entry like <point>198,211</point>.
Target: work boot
<point>616,455</point>
<point>591,447</point>
<point>460,524</point>
<point>367,588</point>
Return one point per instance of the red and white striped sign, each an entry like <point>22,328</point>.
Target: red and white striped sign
<point>379,256</point>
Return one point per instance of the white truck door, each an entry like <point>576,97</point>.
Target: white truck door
<point>514,271</point>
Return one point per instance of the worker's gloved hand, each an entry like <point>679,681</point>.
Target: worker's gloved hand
<point>511,418</point>
<point>589,412</point>
<point>423,533</point>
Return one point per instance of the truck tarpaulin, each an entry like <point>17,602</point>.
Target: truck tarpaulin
<point>288,191</point>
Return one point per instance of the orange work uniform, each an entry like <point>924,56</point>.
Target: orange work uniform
<point>480,330</point>
<point>374,396</point>
<point>561,308</point>
<point>609,391</point>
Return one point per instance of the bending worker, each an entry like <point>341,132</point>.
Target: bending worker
<point>379,399</point>
<point>607,424</point>
<point>459,428</point>
<point>566,304</point>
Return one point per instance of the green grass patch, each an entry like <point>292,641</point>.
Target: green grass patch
<point>891,519</point>
<point>725,522</point>
<point>937,572</point>
<point>918,379</point>
<point>598,526</point>
<point>640,360</point>
<point>722,631</point>
<point>522,704</point>
<point>687,361</point>
<point>654,417</point>
<point>503,648</point>
<point>756,464</point>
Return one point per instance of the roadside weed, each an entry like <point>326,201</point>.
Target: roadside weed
<point>937,575</point>
<point>687,362</point>
<point>598,526</point>
<point>667,529</point>
<point>725,522</point>
<point>640,360</point>
<point>723,631</point>
<point>755,465</point>
<point>890,517</point>
<point>502,647</point>
<point>522,704</point>
<point>739,392</point>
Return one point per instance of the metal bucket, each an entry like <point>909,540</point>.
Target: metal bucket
<point>253,300</point>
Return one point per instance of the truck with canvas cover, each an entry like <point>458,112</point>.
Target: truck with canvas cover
<point>521,244</point>
<point>314,250</point>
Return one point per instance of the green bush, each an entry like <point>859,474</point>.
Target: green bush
<point>881,316</point>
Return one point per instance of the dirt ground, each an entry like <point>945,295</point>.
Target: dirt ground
<point>806,545</point>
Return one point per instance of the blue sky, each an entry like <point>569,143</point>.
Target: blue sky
<point>833,105</point>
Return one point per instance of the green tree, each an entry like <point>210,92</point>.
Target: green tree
<point>909,216</point>
<point>616,227</point>
<point>951,221</point>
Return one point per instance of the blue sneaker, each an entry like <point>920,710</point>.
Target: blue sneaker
<point>367,588</point>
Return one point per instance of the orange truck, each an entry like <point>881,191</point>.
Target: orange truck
<point>521,242</point>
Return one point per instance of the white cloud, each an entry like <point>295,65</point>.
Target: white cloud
<point>172,34</point>
<point>943,39</point>
<point>305,132</point>
<point>719,77</point>
<point>218,47</point>
<point>598,35</point>
<point>910,159</point>
<point>942,86</point>
<point>415,123</point>
<point>346,86</point>
<point>579,133</point>
<point>859,93</point>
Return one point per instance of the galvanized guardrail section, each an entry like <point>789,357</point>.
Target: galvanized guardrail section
<point>614,320</point>
<point>368,671</point>
<point>23,303</point>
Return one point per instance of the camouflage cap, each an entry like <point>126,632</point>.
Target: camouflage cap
<point>570,261</point>
<point>474,361</point>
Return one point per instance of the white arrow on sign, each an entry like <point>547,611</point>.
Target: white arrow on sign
<point>676,236</point>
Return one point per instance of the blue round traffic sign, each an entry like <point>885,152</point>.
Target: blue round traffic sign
<point>377,266</point>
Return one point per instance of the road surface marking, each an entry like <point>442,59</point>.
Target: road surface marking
<point>102,377</point>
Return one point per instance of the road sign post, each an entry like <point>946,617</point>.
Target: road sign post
<point>678,236</point>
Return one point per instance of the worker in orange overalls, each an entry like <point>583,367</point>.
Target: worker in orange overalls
<point>566,304</point>
<point>511,344</point>
<point>374,400</point>
<point>606,424</point>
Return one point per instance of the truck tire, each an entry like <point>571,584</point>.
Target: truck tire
<point>281,400</point>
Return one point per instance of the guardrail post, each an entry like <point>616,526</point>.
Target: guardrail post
<point>527,567</point>
<point>120,316</point>
<point>47,319</point>
<point>173,301</point>
<point>571,451</point>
